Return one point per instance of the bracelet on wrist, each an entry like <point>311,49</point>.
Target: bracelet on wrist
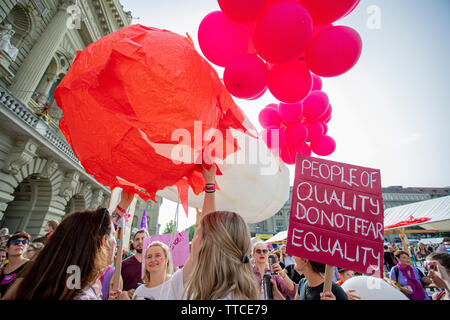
<point>121,210</point>
<point>210,188</point>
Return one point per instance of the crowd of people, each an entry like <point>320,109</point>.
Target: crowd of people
<point>223,263</point>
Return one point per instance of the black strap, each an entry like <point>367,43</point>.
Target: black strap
<point>396,273</point>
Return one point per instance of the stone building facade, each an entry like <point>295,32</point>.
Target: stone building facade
<point>40,177</point>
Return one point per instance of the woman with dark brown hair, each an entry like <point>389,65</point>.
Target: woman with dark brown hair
<point>69,266</point>
<point>15,249</point>
<point>311,286</point>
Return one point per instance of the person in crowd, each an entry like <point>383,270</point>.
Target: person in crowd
<point>284,284</point>
<point>344,275</point>
<point>218,266</point>
<point>76,255</point>
<point>2,256</point>
<point>50,228</point>
<point>4,234</point>
<point>33,250</point>
<point>132,266</point>
<point>15,249</point>
<point>293,274</point>
<point>413,256</point>
<point>421,254</point>
<point>158,270</point>
<point>442,248</point>
<point>277,254</point>
<point>409,279</point>
<point>3,243</point>
<point>311,287</point>
<point>438,266</point>
<point>285,258</point>
<point>389,259</point>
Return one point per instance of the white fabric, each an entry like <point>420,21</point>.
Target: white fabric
<point>288,260</point>
<point>436,209</point>
<point>280,236</point>
<point>160,292</point>
<point>255,183</point>
<point>432,240</point>
<point>176,292</point>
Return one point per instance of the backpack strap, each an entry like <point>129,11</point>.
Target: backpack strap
<point>396,273</point>
<point>302,289</point>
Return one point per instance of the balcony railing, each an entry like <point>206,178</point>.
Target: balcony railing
<point>8,101</point>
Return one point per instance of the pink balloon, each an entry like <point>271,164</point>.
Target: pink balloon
<point>245,76</point>
<point>242,11</point>
<point>296,134</point>
<point>283,32</point>
<point>290,112</point>
<point>269,117</point>
<point>327,11</point>
<point>325,127</point>
<point>315,130</point>
<point>288,155</point>
<point>326,114</point>
<point>317,82</point>
<point>304,149</point>
<point>259,95</point>
<point>317,29</point>
<point>353,8</point>
<point>333,51</point>
<point>315,104</point>
<point>221,39</point>
<point>274,137</point>
<point>290,82</point>
<point>324,146</point>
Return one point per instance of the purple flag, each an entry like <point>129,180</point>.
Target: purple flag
<point>144,221</point>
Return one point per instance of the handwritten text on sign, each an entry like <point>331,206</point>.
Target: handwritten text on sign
<point>337,215</point>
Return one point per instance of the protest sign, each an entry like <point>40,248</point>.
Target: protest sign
<point>177,242</point>
<point>337,215</point>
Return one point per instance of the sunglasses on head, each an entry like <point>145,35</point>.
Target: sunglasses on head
<point>259,251</point>
<point>17,241</point>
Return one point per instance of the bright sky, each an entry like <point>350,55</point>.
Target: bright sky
<point>390,111</point>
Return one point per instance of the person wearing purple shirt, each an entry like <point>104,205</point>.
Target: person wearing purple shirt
<point>409,278</point>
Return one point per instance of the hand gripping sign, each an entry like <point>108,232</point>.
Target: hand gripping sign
<point>337,215</point>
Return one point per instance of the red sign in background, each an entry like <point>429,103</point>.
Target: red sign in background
<point>337,215</point>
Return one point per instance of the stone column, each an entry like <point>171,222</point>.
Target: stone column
<point>37,61</point>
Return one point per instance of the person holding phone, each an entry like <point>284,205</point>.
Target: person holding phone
<point>279,277</point>
<point>438,266</point>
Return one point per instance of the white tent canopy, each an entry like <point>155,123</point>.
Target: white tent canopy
<point>280,236</point>
<point>438,210</point>
<point>432,240</point>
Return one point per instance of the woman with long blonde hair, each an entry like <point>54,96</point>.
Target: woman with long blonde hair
<point>218,266</point>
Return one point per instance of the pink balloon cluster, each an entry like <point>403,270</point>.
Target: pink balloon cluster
<point>276,44</point>
<point>299,127</point>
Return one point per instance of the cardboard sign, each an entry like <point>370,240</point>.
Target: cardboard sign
<point>177,242</point>
<point>337,215</point>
